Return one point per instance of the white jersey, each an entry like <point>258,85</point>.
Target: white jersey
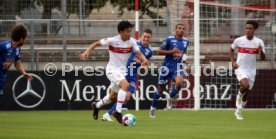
<point>119,51</point>
<point>247,54</point>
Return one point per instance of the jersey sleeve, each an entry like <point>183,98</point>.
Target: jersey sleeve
<point>235,44</point>
<point>165,43</point>
<point>18,54</point>
<point>134,45</point>
<point>106,41</point>
<point>262,45</point>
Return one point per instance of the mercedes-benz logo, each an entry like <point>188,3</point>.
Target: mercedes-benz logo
<point>29,91</point>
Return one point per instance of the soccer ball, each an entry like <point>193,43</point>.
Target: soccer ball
<point>129,120</point>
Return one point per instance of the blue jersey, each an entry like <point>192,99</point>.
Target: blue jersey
<point>8,55</point>
<point>146,51</point>
<point>170,43</point>
<point>131,76</point>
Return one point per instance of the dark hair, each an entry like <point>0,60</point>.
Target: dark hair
<point>147,30</point>
<point>124,25</point>
<point>179,24</point>
<point>18,32</point>
<point>253,23</point>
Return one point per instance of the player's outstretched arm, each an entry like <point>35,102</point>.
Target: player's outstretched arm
<point>142,57</point>
<point>19,67</point>
<point>232,58</point>
<point>86,53</point>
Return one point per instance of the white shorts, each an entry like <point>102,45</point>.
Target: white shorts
<point>115,76</point>
<point>250,78</point>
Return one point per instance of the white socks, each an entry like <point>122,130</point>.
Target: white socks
<point>120,100</point>
<point>241,95</point>
<point>103,102</point>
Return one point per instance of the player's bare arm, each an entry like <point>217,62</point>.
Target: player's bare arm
<point>262,54</point>
<point>168,52</point>
<point>142,57</point>
<point>86,53</point>
<point>19,67</point>
<point>232,58</point>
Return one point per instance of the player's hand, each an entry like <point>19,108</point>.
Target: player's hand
<point>235,65</point>
<point>28,76</point>
<point>137,61</point>
<point>145,63</point>
<point>84,55</point>
<point>175,51</point>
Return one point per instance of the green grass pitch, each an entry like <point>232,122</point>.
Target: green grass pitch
<point>204,124</point>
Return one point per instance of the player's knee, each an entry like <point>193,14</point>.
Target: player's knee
<point>178,85</point>
<point>124,85</point>
<point>113,97</point>
<point>160,90</point>
<point>128,97</point>
<point>245,87</point>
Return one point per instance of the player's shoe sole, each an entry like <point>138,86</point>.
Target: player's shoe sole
<point>95,111</point>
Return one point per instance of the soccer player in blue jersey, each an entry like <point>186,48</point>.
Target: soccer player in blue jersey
<point>10,54</point>
<point>132,65</point>
<point>173,48</point>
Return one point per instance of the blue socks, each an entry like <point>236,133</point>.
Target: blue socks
<point>155,99</point>
<point>174,91</point>
<point>111,110</point>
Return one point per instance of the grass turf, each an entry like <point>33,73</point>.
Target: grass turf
<point>211,124</point>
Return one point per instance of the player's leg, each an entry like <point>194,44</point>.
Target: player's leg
<point>107,116</point>
<point>251,81</point>
<point>177,76</point>
<point>124,86</point>
<point>175,90</point>
<point>164,77</point>
<point>105,101</point>
<point>244,88</point>
<point>155,99</point>
<point>132,89</point>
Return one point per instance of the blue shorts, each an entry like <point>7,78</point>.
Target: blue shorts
<point>165,75</point>
<point>132,80</point>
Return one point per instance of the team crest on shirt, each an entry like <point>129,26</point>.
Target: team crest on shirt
<point>185,44</point>
<point>147,52</point>
<point>255,45</point>
<point>128,44</point>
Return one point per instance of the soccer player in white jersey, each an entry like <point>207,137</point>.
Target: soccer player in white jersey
<point>248,46</point>
<point>120,47</point>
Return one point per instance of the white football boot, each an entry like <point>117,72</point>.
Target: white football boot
<point>106,117</point>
